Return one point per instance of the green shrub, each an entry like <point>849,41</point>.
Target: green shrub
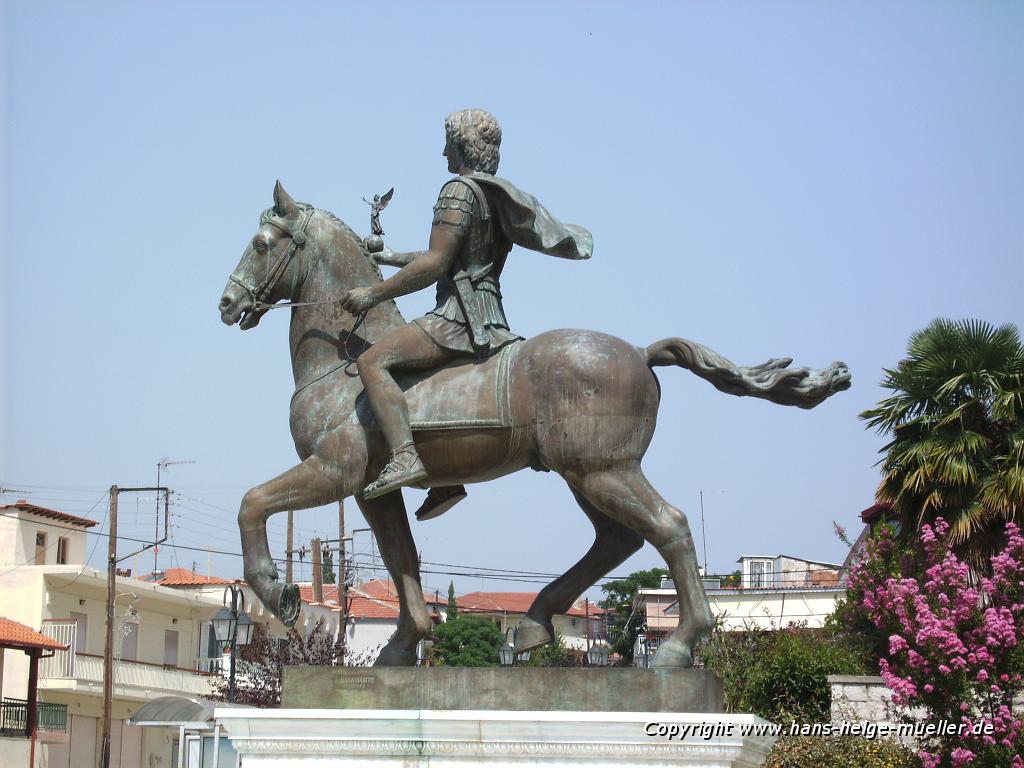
<point>781,675</point>
<point>839,752</point>
<point>467,641</point>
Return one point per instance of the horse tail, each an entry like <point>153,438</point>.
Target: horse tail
<point>773,380</point>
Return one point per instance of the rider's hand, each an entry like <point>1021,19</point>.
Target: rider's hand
<point>359,300</point>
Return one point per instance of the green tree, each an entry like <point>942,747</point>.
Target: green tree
<point>467,641</point>
<point>620,595</point>
<point>554,654</point>
<point>327,566</point>
<point>453,603</point>
<point>956,419</point>
<point>734,579</point>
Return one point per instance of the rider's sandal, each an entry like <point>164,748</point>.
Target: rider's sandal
<point>398,473</point>
<point>439,501</point>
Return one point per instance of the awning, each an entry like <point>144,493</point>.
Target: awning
<point>177,711</point>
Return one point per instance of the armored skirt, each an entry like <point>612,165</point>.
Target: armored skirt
<point>446,324</point>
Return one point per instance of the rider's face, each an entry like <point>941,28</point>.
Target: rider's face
<point>451,151</point>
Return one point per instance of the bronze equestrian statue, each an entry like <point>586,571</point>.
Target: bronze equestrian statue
<point>579,403</point>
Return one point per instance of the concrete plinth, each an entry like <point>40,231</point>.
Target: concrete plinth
<point>595,689</point>
<point>354,738</point>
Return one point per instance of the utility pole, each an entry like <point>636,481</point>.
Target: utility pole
<point>342,581</point>
<point>587,604</point>
<point>108,643</point>
<point>318,571</point>
<point>288,552</point>
<point>702,535</point>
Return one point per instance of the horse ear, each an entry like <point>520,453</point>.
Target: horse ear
<point>284,206</point>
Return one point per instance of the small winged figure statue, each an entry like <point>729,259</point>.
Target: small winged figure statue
<point>378,204</point>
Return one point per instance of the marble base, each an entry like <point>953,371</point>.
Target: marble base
<point>354,738</point>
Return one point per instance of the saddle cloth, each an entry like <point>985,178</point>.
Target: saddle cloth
<point>465,394</point>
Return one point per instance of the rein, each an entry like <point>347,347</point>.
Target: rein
<point>258,293</point>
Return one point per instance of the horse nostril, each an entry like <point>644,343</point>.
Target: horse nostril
<point>225,302</point>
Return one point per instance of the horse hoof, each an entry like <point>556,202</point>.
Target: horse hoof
<point>395,657</point>
<point>532,634</point>
<point>674,654</point>
<point>288,605</point>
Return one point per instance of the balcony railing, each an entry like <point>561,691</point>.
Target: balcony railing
<point>88,669</point>
<point>14,717</point>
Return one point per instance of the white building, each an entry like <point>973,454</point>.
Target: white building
<point>774,592</point>
<point>371,615</point>
<point>164,645</point>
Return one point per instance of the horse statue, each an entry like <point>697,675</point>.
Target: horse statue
<point>579,403</point>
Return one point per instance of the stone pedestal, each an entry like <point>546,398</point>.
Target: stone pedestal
<point>445,717</point>
<point>355,738</point>
<point>588,689</point>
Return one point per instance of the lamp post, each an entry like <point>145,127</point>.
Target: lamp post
<point>233,626</point>
<point>509,658</point>
<point>597,654</point>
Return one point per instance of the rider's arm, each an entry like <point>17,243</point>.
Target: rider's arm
<point>426,267</point>
<point>390,258</point>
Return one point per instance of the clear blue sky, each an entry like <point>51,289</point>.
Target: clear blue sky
<point>808,179</point>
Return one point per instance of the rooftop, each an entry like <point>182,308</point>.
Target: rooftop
<point>514,602</point>
<point>183,577</point>
<point>15,635</point>
<point>63,517</point>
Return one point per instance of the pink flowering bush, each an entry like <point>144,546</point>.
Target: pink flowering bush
<point>953,641</point>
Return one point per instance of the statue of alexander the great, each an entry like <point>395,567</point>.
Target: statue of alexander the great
<point>477,219</point>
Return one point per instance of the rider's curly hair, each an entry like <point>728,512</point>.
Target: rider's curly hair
<point>478,136</point>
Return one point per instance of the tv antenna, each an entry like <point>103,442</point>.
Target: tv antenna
<point>162,465</point>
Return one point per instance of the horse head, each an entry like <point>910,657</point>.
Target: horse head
<point>268,270</point>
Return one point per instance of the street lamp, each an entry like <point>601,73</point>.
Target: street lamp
<point>597,654</point>
<point>509,657</point>
<point>234,627</point>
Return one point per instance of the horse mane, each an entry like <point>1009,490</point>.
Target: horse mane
<point>270,213</point>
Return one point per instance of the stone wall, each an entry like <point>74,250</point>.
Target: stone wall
<point>860,698</point>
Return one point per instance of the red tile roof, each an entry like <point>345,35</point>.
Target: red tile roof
<point>513,602</point>
<point>52,514</point>
<point>183,577</point>
<point>377,599</point>
<point>330,593</point>
<point>15,635</point>
<point>875,512</point>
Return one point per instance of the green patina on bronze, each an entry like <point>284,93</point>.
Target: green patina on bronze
<point>609,689</point>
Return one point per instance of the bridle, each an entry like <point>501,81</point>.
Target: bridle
<point>258,293</point>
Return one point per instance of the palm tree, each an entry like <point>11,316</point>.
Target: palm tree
<point>956,417</point>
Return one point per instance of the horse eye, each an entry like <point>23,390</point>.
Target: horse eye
<point>259,245</point>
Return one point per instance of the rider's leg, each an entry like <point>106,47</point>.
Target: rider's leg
<point>407,349</point>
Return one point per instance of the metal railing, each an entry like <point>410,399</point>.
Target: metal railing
<point>14,717</point>
<point>62,663</point>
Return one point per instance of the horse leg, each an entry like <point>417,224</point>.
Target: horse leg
<point>613,544</point>
<point>309,484</point>
<point>623,493</point>
<point>390,523</point>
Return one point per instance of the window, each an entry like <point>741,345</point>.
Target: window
<point>40,548</point>
<point>62,550</point>
<point>760,573</point>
